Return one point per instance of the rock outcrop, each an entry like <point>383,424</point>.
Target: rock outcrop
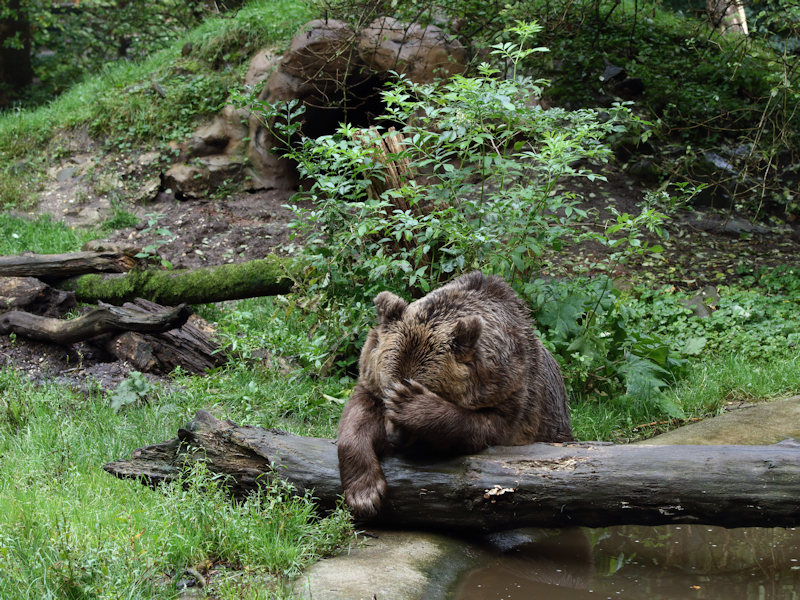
<point>337,74</point>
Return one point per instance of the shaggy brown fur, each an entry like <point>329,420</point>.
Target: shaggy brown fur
<point>453,372</point>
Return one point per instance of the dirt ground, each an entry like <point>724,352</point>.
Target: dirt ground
<point>705,247</point>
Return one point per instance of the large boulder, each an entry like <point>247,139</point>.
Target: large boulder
<point>225,135</point>
<point>336,73</point>
<point>422,53</point>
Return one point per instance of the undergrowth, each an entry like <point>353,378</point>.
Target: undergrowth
<point>40,234</point>
<point>68,529</point>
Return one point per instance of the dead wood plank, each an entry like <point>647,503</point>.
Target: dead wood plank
<point>70,264</point>
<point>101,320</point>
<point>542,485</point>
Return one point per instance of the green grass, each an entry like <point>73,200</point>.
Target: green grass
<point>258,24</point>
<point>162,97</point>
<point>40,234</point>
<point>68,529</point>
<point>120,218</point>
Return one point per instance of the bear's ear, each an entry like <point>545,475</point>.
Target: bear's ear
<point>465,337</point>
<point>390,307</point>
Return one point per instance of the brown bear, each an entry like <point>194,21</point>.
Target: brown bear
<point>454,372</point>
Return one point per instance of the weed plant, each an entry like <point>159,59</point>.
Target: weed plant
<point>747,350</point>
<point>703,91</point>
<point>480,191</point>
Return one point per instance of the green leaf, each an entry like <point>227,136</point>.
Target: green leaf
<point>562,315</point>
<point>644,378</point>
<point>694,346</point>
<point>587,344</point>
<point>671,408</point>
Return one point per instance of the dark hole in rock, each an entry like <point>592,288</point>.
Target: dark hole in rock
<point>359,103</point>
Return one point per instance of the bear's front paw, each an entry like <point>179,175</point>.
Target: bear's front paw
<point>406,391</point>
<point>364,499</point>
<point>404,400</point>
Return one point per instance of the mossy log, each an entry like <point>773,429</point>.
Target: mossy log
<point>29,264</point>
<point>266,277</point>
<point>544,485</point>
<point>102,320</point>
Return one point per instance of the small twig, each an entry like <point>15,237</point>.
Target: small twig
<point>667,422</point>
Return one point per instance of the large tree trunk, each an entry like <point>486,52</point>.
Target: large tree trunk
<point>29,264</point>
<point>267,277</point>
<point>105,319</point>
<point>543,485</point>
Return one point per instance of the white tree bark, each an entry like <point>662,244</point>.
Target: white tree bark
<point>727,15</point>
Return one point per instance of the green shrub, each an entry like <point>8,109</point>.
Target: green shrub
<point>481,191</point>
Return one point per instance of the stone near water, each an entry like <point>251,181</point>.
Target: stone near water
<point>391,565</point>
<point>763,424</point>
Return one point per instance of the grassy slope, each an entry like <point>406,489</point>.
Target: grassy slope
<point>121,102</point>
<point>69,529</point>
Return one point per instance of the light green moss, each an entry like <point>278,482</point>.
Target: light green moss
<point>266,277</point>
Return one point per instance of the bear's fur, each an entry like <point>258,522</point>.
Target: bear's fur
<point>454,372</point>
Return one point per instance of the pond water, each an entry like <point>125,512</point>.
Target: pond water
<point>653,563</point>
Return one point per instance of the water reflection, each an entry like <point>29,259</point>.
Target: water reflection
<point>653,563</point>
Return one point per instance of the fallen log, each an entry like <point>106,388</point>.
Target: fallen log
<point>29,264</point>
<point>544,485</point>
<point>188,346</point>
<point>265,277</point>
<point>33,296</point>
<point>99,321</point>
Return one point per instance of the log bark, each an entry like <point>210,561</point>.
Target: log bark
<point>544,485</point>
<point>33,296</point>
<point>266,277</point>
<point>189,346</point>
<point>28,264</point>
<point>105,319</point>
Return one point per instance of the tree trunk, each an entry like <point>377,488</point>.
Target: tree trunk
<point>29,264</point>
<point>33,296</point>
<point>102,320</point>
<point>544,485</point>
<point>727,15</point>
<point>266,277</point>
<point>15,52</point>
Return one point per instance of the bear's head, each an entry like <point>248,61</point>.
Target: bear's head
<point>421,342</point>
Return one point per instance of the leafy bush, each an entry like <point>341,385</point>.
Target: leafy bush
<point>482,165</point>
<point>753,324</point>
